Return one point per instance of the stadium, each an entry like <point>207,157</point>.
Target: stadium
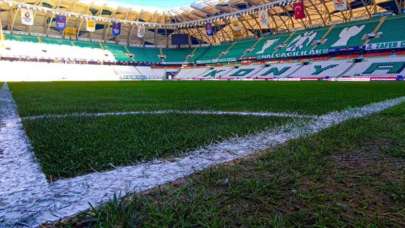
<point>207,113</point>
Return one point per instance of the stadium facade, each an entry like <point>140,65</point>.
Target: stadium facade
<point>236,40</point>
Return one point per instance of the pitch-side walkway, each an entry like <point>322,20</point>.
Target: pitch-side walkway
<point>26,199</point>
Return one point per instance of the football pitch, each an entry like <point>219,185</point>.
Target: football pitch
<point>68,143</point>
<point>80,128</point>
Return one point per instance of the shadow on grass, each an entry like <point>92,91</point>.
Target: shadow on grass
<point>350,175</point>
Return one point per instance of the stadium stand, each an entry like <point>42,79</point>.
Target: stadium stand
<point>80,50</point>
<point>189,73</point>
<point>277,70</point>
<point>387,67</point>
<point>246,72</point>
<point>312,42</point>
<point>177,56</point>
<point>214,54</point>
<point>353,40</point>
<point>375,34</point>
<point>18,49</point>
<point>390,36</point>
<point>43,71</point>
<point>197,53</point>
<point>16,46</point>
<point>384,67</point>
<point>238,49</point>
<point>145,55</point>
<point>322,69</point>
<point>120,53</point>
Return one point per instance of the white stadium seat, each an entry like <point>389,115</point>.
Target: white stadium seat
<point>40,71</point>
<point>323,69</point>
<point>17,49</point>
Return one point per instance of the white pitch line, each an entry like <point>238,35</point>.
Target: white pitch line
<point>68,197</point>
<point>161,112</point>
<point>22,182</point>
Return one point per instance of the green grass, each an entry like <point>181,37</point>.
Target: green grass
<point>351,175</point>
<point>73,146</point>
<point>308,97</point>
<point>70,147</point>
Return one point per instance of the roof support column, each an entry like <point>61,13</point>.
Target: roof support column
<point>131,28</point>
<point>13,15</point>
<point>155,36</point>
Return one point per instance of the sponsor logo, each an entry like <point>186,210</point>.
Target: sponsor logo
<point>386,45</point>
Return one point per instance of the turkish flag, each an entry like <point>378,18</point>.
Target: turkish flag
<point>299,12</point>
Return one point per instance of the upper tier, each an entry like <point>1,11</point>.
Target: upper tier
<point>375,34</point>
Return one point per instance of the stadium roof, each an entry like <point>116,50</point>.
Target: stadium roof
<point>148,5</point>
<point>160,6</point>
<point>233,19</point>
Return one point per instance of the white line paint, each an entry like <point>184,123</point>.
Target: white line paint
<point>161,112</point>
<point>22,182</point>
<point>68,197</point>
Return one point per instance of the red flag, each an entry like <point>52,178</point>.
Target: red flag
<point>299,12</point>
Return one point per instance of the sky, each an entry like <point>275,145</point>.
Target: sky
<point>157,4</point>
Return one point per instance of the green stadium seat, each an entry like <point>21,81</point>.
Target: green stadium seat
<point>389,33</point>
<point>176,55</point>
<point>392,30</point>
<point>267,46</point>
<point>198,53</point>
<point>213,53</point>
<point>238,49</point>
<point>120,52</point>
<point>23,38</point>
<point>49,40</point>
<point>349,34</point>
<point>87,44</point>
<point>145,55</point>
